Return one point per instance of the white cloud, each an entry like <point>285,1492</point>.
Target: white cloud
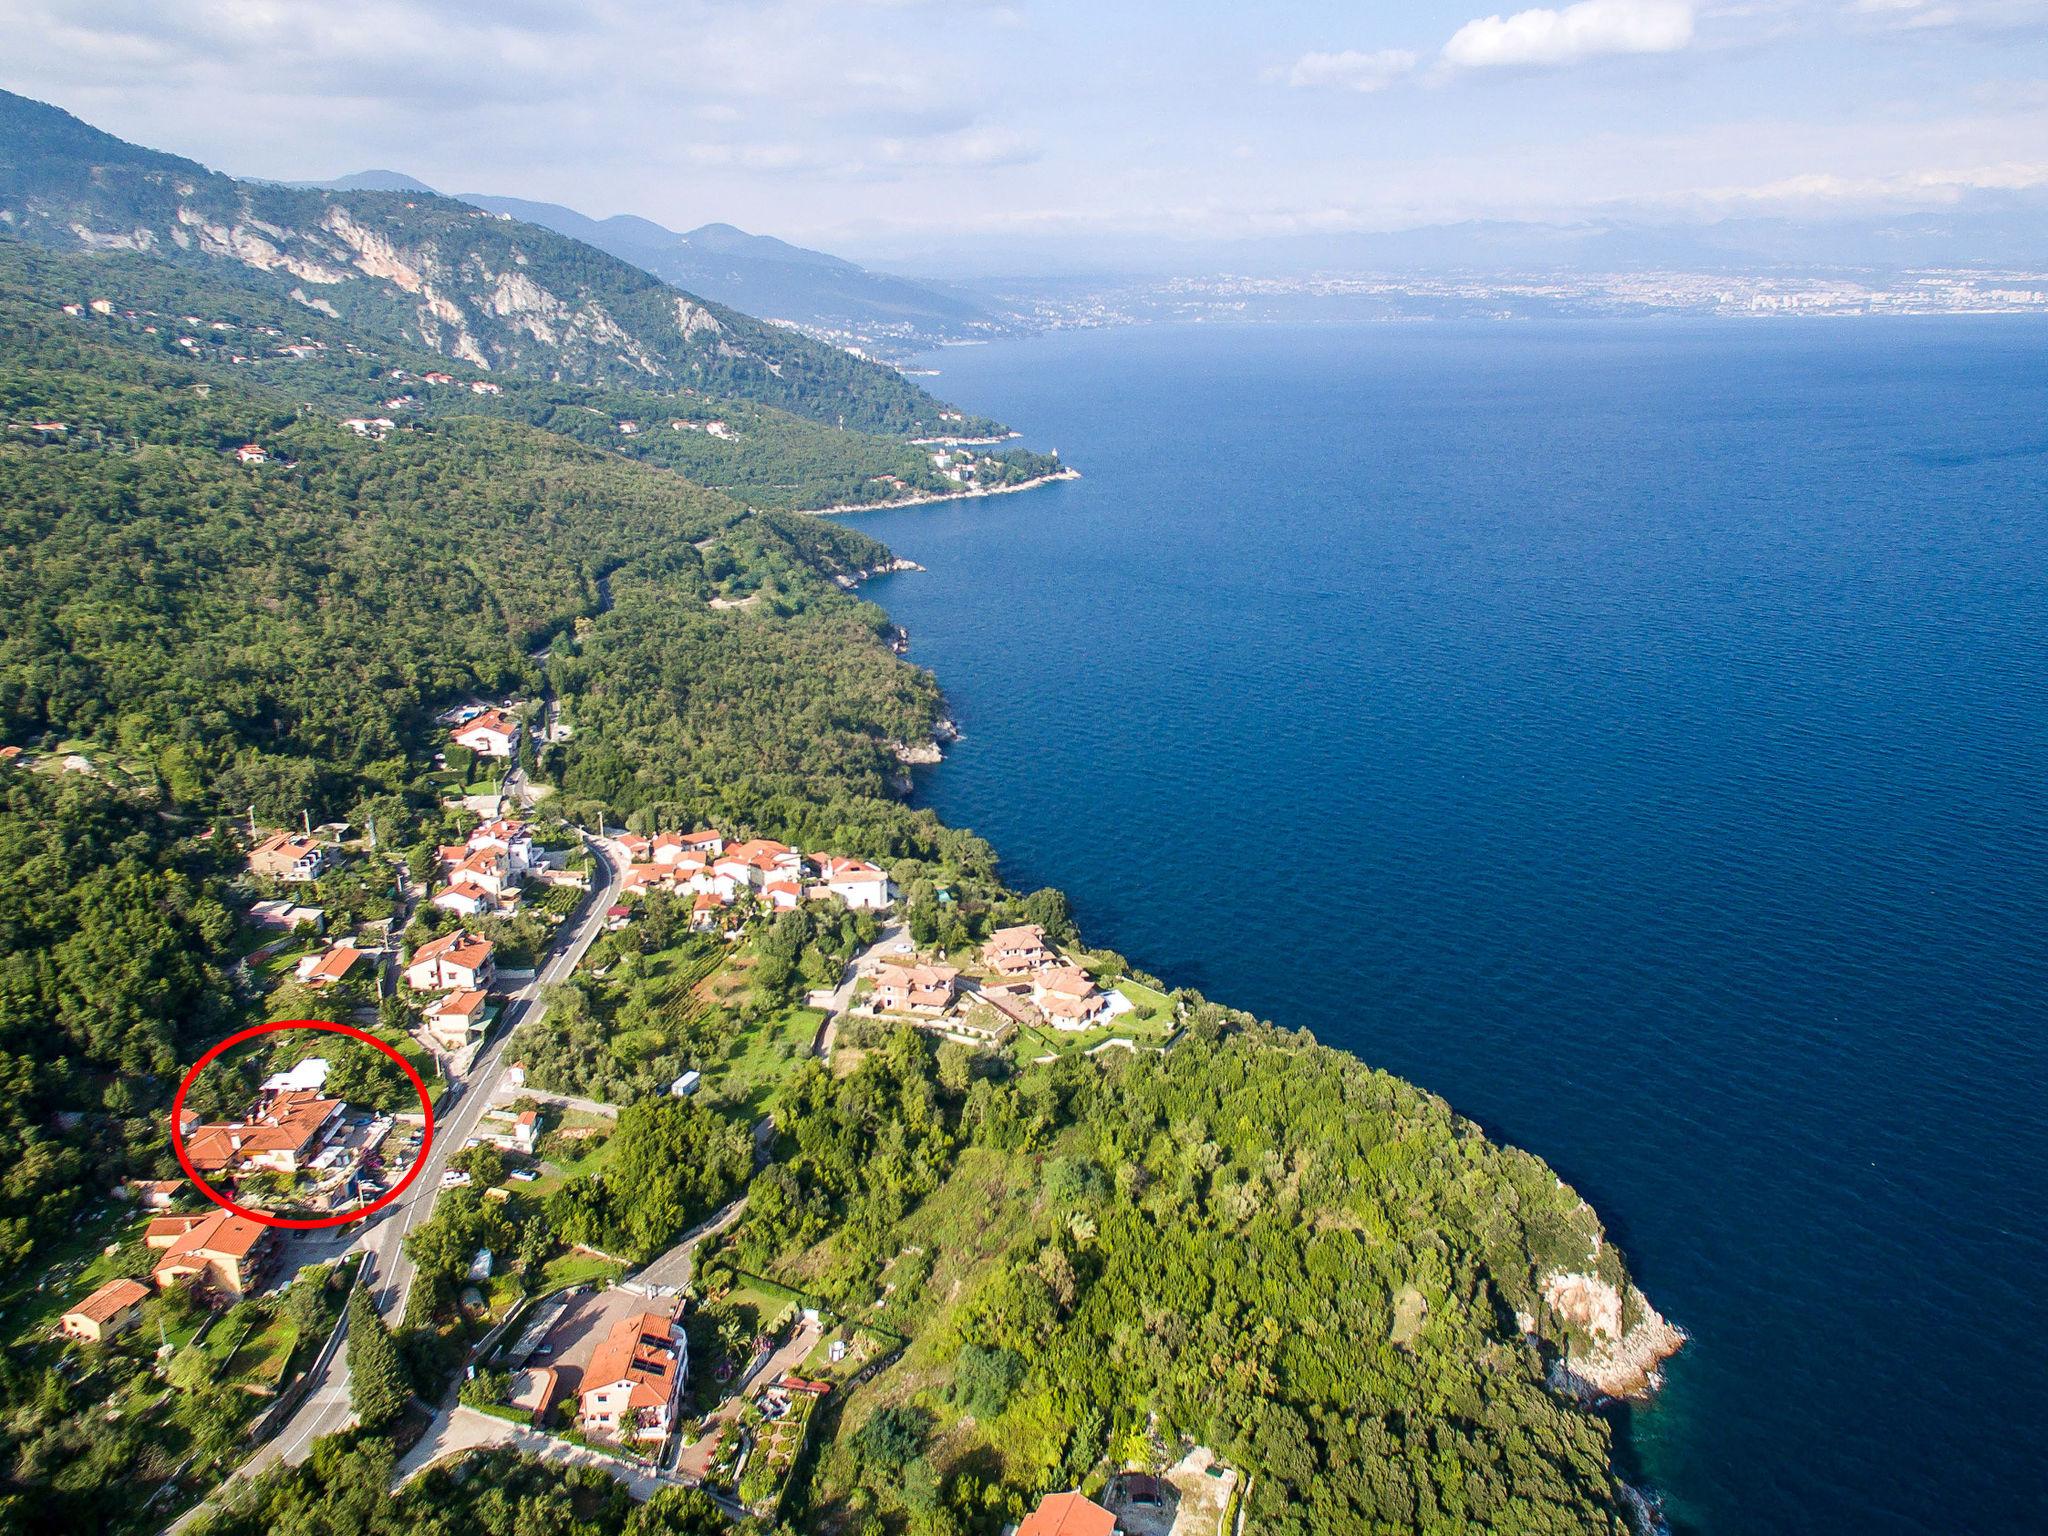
<point>1579,31</point>
<point>1351,69</point>
<point>968,148</point>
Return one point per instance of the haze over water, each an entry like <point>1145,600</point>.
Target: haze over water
<point>1636,733</point>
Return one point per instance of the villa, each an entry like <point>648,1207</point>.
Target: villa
<point>856,882</point>
<point>491,734</point>
<point>1068,997</point>
<point>1018,951</point>
<point>282,1133</point>
<point>220,1251</point>
<point>921,989</point>
<point>633,1382</point>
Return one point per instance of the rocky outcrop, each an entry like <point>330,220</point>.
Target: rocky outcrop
<point>1618,1341</point>
<point>924,754</point>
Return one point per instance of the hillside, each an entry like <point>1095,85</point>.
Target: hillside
<point>426,270</point>
<point>1246,1240</point>
<point>766,276</point>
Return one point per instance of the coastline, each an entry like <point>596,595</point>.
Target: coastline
<point>930,498</point>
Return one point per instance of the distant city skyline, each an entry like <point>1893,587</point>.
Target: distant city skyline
<point>883,128</point>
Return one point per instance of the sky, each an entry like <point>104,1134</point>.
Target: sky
<point>891,128</point>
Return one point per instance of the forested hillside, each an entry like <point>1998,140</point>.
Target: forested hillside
<point>431,271</point>
<point>1245,1240</point>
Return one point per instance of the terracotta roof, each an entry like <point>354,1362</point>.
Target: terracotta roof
<point>470,890</point>
<point>707,901</point>
<point>489,720</point>
<point>459,1005</point>
<point>285,1124</point>
<point>457,948</point>
<point>638,1350</point>
<point>220,1235</point>
<point>110,1300</point>
<point>1068,1514</point>
<point>1030,936</point>
<point>335,963</point>
<point>1068,981</point>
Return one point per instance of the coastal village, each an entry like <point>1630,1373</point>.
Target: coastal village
<point>604,1356</point>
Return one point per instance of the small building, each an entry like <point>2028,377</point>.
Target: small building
<point>288,857</point>
<point>633,1382</point>
<point>1068,1514</point>
<point>107,1313</point>
<point>252,453</point>
<point>285,916</point>
<point>330,965</point>
<point>461,1017</point>
<point>686,1084</point>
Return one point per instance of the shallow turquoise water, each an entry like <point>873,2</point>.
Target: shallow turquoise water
<point>1637,734</point>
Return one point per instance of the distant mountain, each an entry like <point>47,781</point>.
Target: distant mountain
<point>368,181</point>
<point>769,277</point>
<point>429,270</point>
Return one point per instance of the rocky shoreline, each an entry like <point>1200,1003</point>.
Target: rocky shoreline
<point>1622,1360</point>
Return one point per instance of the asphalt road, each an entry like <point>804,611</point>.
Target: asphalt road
<point>387,1272</point>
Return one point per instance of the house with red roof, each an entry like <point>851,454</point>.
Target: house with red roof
<point>459,1018</point>
<point>1069,1514</point>
<point>456,961</point>
<point>927,990</point>
<point>1068,997</point>
<point>283,1132</point>
<point>856,882</point>
<point>330,965</point>
<point>1018,951</point>
<point>288,857</point>
<point>107,1313</point>
<point>219,1251</point>
<point>491,734</point>
<point>630,1388</point>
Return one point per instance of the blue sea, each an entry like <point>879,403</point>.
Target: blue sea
<point>1636,733</point>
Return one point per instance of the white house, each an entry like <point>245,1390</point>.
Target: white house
<point>459,1018</point>
<point>455,961</point>
<point>856,882</point>
<point>491,734</point>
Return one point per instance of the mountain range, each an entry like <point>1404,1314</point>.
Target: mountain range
<point>413,266</point>
<point>757,273</point>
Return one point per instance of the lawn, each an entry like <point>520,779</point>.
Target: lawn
<point>261,1358</point>
<point>763,1057</point>
<point>579,1269</point>
<point>1152,1011</point>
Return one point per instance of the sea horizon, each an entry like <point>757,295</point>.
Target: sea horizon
<point>1633,732</point>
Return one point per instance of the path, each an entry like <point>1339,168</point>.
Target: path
<point>674,1269</point>
<point>465,1429</point>
<point>841,997</point>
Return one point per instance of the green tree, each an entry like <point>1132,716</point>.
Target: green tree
<point>377,1386</point>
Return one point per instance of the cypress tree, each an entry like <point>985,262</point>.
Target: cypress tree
<point>377,1385</point>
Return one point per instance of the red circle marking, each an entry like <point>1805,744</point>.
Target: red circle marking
<point>301,1223</point>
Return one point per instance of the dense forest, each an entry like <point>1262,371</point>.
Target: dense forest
<point>1247,1241</point>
